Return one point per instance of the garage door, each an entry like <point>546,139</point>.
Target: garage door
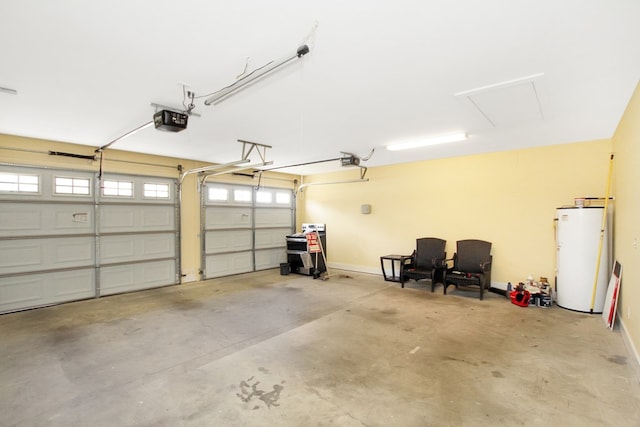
<point>244,228</point>
<point>137,233</point>
<point>62,240</point>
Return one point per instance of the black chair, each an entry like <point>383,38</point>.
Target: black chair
<point>471,266</point>
<point>427,261</point>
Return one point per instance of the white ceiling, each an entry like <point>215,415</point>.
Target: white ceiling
<point>378,71</point>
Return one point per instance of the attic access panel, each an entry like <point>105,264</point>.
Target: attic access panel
<point>507,103</point>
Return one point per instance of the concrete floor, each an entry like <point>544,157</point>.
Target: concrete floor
<point>264,349</point>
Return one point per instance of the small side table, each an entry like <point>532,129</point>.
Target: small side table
<point>396,276</point>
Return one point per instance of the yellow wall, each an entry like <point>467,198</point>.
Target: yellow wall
<point>508,198</point>
<point>29,151</point>
<point>626,145</point>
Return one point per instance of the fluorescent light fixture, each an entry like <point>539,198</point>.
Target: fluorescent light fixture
<point>256,74</point>
<point>423,142</point>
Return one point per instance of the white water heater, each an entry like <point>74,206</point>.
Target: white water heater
<point>578,234</point>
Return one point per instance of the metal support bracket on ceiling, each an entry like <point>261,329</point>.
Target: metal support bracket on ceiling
<point>363,172</point>
<point>239,165</point>
<point>246,152</point>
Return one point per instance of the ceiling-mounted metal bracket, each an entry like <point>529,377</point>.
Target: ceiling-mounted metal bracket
<point>251,145</point>
<point>363,172</point>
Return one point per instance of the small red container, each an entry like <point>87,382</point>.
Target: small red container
<point>520,298</point>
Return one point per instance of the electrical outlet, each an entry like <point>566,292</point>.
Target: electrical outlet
<point>634,244</point>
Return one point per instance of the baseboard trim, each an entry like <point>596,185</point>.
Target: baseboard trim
<point>629,342</point>
<point>356,268</point>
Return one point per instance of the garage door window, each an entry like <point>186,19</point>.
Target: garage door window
<point>283,198</point>
<point>242,196</point>
<point>264,197</point>
<point>218,194</point>
<point>18,183</point>
<point>117,188</point>
<point>78,186</point>
<point>156,191</point>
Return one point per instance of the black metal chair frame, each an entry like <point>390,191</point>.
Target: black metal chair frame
<point>427,261</point>
<point>471,266</point>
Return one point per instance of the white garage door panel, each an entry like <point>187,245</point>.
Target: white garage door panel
<point>273,217</point>
<point>133,277</point>
<point>26,219</point>
<point>50,239</point>
<point>33,290</point>
<point>136,247</point>
<point>272,238</point>
<point>227,241</point>
<point>226,217</point>
<point>270,258</point>
<point>227,264</point>
<point>136,218</point>
<point>244,228</point>
<point>20,256</point>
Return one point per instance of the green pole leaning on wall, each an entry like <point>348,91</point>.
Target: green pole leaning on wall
<point>602,228</point>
